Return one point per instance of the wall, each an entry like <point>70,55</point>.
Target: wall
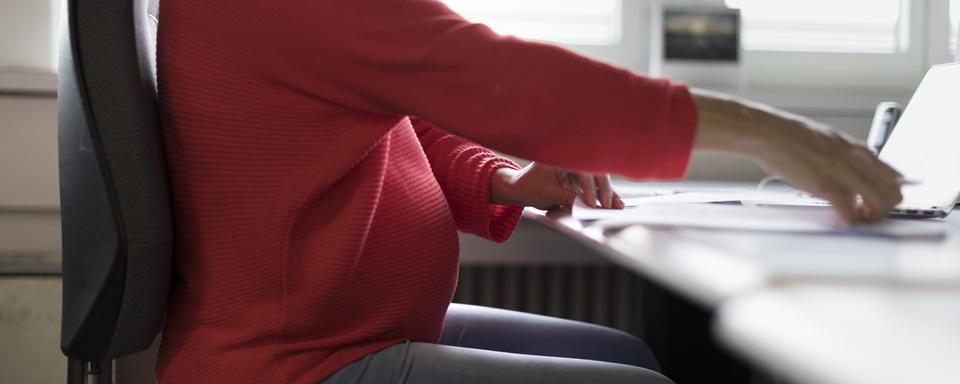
<point>28,128</point>
<point>29,195</point>
<point>27,30</point>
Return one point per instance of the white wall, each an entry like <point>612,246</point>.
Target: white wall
<point>28,126</point>
<point>29,191</point>
<point>28,152</point>
<point>27,30</point>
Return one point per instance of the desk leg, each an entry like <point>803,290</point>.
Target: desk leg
<point>679,333</point>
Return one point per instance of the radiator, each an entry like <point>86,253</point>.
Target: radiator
<point>599,294</point>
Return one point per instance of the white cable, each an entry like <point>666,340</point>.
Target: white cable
<point>767,180</point>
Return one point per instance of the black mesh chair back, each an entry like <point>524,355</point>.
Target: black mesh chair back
<point>114,195</point>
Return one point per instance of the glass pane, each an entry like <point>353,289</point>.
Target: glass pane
<point>868,26</point>
<point>582,22</point>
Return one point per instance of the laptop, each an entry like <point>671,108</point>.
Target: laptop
<point>925,148</point>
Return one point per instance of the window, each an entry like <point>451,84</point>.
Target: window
<point>573,22</point>
<point>954,24</point>
<point>853,26</point>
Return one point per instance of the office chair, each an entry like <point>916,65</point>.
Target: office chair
<point>114,196</point>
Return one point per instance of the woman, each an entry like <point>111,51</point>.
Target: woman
<point>323,155</point>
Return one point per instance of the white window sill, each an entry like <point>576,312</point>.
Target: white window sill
<point>26,81</point>
<point>822,101</point>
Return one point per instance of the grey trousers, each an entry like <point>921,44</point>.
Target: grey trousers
<point>484,345</point>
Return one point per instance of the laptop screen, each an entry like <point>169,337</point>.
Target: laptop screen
<point>925,146</point>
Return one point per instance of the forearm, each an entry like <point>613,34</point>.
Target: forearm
<point>740,127</point>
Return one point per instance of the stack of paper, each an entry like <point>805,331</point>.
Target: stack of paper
<point>690,210</point>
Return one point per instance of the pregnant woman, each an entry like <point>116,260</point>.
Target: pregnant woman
<point>324,153</point>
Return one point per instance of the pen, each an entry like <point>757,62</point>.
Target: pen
<point>906,182</point>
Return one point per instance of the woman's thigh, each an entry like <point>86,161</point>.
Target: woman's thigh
<point>516,332</point>
<point>424,363</point>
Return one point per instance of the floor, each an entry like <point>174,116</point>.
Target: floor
<point>30,330</point>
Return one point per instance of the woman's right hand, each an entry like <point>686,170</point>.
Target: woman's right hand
<point>808,155</point>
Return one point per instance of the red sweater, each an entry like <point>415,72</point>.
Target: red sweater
<point>316,222</point>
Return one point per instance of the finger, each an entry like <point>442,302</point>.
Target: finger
<point>880,192</point>
<point>855,173</point>
<point>894,180</point>
<point>842,201</point>
<point>888,183</point>
<point>875,203</point>
<point>604,190</point>
<point>588,189</point>
<point>618,202</point>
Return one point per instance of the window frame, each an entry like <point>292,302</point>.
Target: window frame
<point>938,32</point>
<point>954,28</point>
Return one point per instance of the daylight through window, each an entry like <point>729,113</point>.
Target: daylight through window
<point>859,26</point>
<point>574,22</point>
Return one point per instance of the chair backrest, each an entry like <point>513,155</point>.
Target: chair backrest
<point>114,194</point>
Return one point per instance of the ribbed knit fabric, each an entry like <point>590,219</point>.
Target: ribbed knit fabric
<point>316,222</point>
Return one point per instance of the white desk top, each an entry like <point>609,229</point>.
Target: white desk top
<point>815,309</point>
<point>847,334</point>
<point>711,266</point>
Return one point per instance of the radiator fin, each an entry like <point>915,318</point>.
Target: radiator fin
<point>599,294</point>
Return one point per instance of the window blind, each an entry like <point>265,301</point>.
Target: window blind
<point>573,22</point>
<point>858,26</point>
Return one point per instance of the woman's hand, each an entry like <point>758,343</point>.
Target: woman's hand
<point>546,187</point>
<point>806,154</point>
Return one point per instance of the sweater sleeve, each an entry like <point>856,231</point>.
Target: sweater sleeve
<point>463,170</point>
<point>532,100</point>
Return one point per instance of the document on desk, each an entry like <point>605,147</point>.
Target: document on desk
<point>689,197</point>
<point>692,213</point>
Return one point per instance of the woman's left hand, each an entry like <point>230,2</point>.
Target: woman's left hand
<point>546,187</point>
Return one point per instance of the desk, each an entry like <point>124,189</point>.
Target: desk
<point>847,334</point>
<point>751,287</point>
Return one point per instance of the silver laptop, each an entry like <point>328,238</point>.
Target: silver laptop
<point>925,147</point>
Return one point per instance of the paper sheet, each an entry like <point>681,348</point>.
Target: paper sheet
<point>689,197</point>
<point>690,211</point>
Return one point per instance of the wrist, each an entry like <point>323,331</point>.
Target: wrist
<point>502,186</point>
<point>727,124</point>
